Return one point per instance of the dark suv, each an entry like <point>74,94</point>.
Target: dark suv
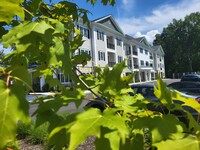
<point>190,77</point>
<point>192,88</point>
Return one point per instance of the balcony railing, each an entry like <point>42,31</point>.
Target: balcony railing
<point>135,53</point>
<point>136,66</point>
<point>110,45</point>
<point>111,64</point>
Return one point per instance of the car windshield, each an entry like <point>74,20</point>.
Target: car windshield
<point>145,91</point>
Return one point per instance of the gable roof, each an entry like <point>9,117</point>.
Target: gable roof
<point>108,22</point>
<point>143,41</point>
<point>132,39</point>
<point>158,49</point>
<point>139,39</point>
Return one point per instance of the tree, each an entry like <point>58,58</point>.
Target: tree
<point>180,43</point>
<point>42,33</point>
<point>1,57</point>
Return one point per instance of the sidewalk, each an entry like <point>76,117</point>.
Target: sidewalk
<point>31,96</point>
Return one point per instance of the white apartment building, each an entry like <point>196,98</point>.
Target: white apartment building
<point>106,43</point>
<point>109,45</point>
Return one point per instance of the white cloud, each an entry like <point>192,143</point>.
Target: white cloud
<point>159,17</point>
<point>127,5</point>
<point>150,36</point>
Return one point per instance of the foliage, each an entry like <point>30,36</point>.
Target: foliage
<point>22,130</point>
<point>181,37</point>
<point>38,135</point>
<point>42,34</point>
<point>1,57</point>
<point>34,135</point>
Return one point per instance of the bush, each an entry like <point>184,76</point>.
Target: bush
<point>35,135</point>
<point>45,87</point>
<point>39,134</point>
<point>22,130</point>
<point>36,87</point>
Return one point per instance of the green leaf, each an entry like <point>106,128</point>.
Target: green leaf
<point>20,73</point>
<point>60,53</point>
<point>59,136</point>
<point>6,5</point>
<point>28,38</point>
<point>32,8</point>
<point>26,34</point>
<point>108,140</point>
<point>81,59</point>
<point>13,108</point>
<point>135,141</point>
<point>112,84</point>
<point>179,141</point>
<point>105,2</point>
<point>89,122</point>
<point>161,127</point>
<point>163,93</point>
<point>76,42</point>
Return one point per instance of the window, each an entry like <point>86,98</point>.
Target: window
<point>101,55</point>
<point>141,50</point>
<point>147,63</point>
<point>84,31</point>
<point>80,51</point>
<point>119,42</point>
<point>100,35</point>
<point>129,63</point>
<point>146,52</point>
<point>120,58</point>
<point>151,56</point>
<point>141,62</point>
<point>62,78</point>
<point>128,51</point>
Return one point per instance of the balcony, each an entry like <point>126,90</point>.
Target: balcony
<point>136,66</point>
<point>111,64</point>
<point>135,53</point>
<point>110,45</point>
<point>129,66</point>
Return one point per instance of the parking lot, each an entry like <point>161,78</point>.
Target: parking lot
<point>71,107</point>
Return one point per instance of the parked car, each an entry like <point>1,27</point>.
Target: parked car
<point>188,87</point>
<point>190,77</point>
<point>147,90</point>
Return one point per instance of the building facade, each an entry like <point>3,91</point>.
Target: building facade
<point>109,45</point>
<point>106,43</point>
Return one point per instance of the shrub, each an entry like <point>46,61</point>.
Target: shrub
<point>38,135</point>
<point>22,130</point>
<point>45,87</point>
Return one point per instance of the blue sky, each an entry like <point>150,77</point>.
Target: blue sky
<point>142,17</point>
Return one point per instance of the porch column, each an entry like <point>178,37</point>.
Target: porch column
<point>42,82</point>
<point>149,75</point>
<point>139,75</point>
